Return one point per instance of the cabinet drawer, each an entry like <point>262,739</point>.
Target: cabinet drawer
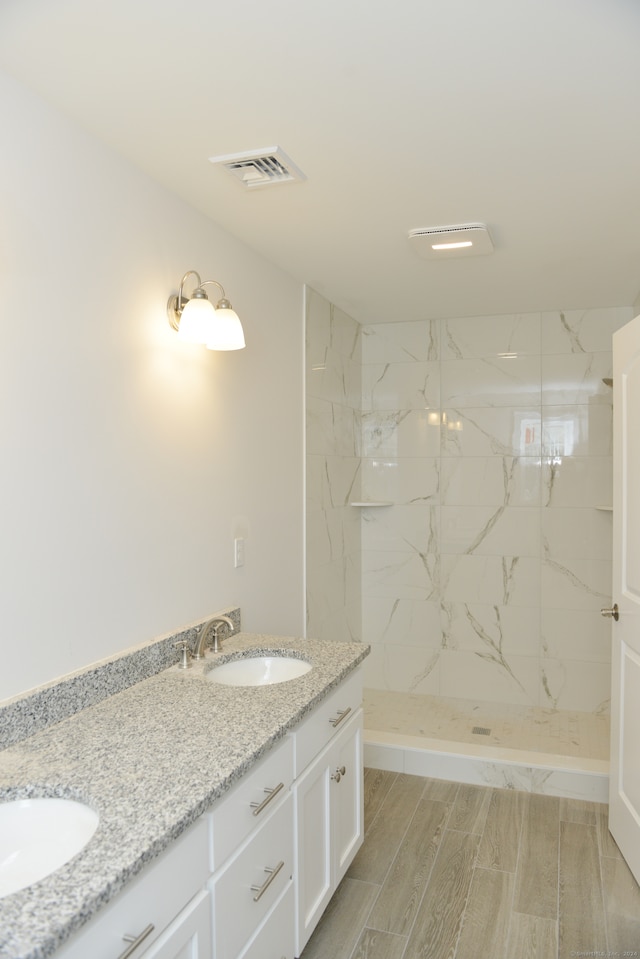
<point>250,801</point>
<point>153,898</point>
<point>274,940</point>
<point>188,936</point>
<point>314,733</point>
<point>248,886</point>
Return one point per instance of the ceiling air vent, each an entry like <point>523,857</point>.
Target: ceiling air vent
<point>260,167</point>
<point>465,239</point>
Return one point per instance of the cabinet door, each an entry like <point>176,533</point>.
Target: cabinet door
<point>188,936</point>
<point>314,880</point>
<point>347,808</point>
<point>329,824</point>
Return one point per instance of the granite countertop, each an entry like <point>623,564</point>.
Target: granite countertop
<point>150,760</point>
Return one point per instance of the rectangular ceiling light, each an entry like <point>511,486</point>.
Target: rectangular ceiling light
<point>464,239</point>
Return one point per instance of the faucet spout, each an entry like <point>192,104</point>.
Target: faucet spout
<point>211,627</point>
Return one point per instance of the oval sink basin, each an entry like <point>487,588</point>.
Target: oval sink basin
<point>37,836</point>
<point>259,671</point>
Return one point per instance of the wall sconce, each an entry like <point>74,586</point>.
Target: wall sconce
<point>197,320</point>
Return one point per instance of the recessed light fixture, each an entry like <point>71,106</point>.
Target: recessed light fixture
<point>451,246</point>
<point>464,239</point>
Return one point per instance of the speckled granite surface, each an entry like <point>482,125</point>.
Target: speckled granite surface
<point>150,759</point>
<point>25,715</point>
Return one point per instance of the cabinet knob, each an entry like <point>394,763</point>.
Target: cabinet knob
<point>339,773</point>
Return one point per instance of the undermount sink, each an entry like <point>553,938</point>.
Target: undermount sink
<point>37,836</point>
<point>259,671</point>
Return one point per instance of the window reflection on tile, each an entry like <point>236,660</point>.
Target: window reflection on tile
<point>508,431</point>
<point>576,430</point>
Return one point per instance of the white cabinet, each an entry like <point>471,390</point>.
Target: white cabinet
<point>328,803</point>
<point>162,914</point>
<point>251,879</point>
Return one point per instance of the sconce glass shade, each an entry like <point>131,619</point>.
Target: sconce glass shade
<point>225,331</point>
<point>197,321</point>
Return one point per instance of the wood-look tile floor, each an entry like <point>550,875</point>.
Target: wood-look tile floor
<point>452,871</point>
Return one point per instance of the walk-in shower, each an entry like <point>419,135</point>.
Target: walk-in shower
<point>459,489</point>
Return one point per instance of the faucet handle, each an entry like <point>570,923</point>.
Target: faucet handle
<point>214,626</point>
<point>214,645</point>
<point>185,654</point>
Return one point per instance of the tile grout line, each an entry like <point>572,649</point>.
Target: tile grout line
<point>463,915</point>
<point>433,864</point>
<point>605,911</point>
<point>558,896</point>
<point>373,904</point>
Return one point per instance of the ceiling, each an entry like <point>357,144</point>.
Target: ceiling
<point>521,114</point>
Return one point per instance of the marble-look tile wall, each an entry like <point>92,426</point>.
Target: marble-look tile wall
<point>333,387</point>
<point>492,438</point>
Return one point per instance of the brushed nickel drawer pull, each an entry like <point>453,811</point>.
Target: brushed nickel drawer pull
<point>135,941</point>
<point>339,773</point>
<point>272,793</point>
<point>260,890</point>
<point>342,714</point>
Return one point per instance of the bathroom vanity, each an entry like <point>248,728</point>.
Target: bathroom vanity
<point>227,818</point>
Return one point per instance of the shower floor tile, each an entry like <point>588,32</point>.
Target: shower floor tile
<point>561,732</point>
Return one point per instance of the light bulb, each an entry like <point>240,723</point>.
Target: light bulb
<point>225,332</point>
<point>197,321</point>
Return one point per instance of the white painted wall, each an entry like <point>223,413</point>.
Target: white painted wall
<point>129,460</point>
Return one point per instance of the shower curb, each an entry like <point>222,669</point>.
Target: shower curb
<point>543,773</point>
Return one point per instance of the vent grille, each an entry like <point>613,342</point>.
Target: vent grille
<point>260,167</point>
<point>481,731</point>
<point>436,230</point>
<point>461,239</point>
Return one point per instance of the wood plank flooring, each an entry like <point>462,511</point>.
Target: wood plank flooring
<point>451,871</point>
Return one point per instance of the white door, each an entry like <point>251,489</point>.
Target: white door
<point>624,789</point>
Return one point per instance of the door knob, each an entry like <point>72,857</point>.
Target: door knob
<point>339,773</point>
<point>612,612</point>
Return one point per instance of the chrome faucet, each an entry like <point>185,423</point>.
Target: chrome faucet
<point>211,627</point>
